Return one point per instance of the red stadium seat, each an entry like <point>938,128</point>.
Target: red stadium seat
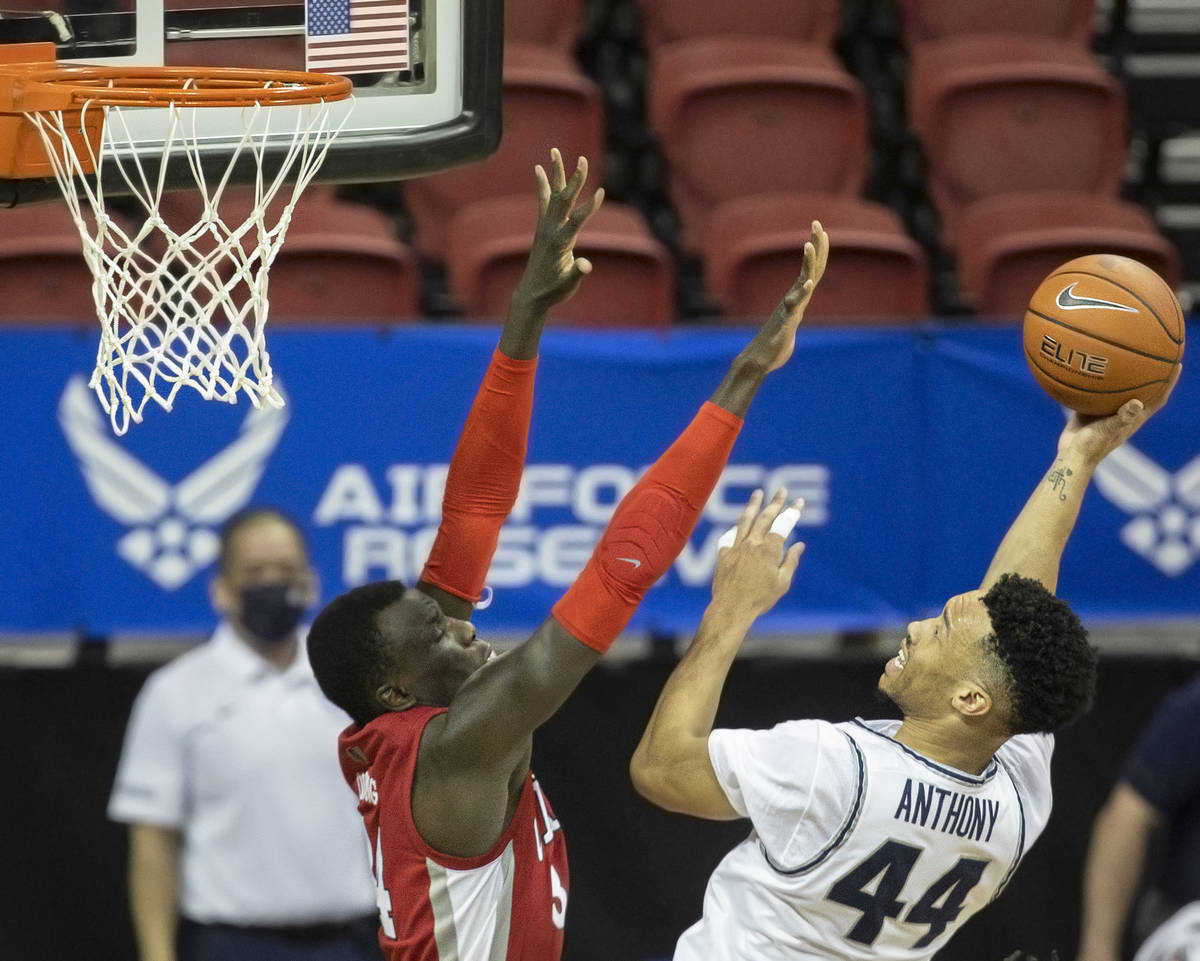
<point>924,20</point>
<point>341,262</point>
<point>1005,114</point>
<point>1010,243</point>
<point>632,284</point>
<point>745,116</point>
<point>544,23</point>
<point>756,245</point>
<point>41,257</point>
<point>545,105</point>
<point>808,21</point>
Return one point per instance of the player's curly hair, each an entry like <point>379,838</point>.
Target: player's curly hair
<point>345,647</point>
<point>1050,666</point>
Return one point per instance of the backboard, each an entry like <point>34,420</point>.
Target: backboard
<point>426,95</point>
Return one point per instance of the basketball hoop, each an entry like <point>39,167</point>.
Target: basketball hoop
<point>177,307</point>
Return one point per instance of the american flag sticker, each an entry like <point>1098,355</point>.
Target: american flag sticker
<point>356,36</point>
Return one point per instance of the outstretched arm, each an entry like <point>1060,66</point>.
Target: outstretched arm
<point>1035,542</point>
<point>773,345</point>
<point>482,742</point>
<point>485,471</point>
<point>671,766</point>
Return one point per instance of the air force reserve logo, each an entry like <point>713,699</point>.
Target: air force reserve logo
<point>1165,507</point>
<point>172,529</point>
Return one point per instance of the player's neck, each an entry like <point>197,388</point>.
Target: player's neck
<point>948,744</point>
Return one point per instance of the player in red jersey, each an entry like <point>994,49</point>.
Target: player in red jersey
<point>469,860</point>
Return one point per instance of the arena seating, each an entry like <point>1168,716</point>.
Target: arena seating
<point>340,264</point>
<point>546,104</point>
<point>756,245</point>
<point>1025,141</point>
<point>999,114</point>
<point>750,115</point>
<point>41,256</point>
<point>634,282</point>
<point>553,24</point>
<point>806,21</point>
<point>925,20</point>
<point>1010,242</point>
<point>722,137</point>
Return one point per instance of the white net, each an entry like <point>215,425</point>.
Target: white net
<point>185,306</point>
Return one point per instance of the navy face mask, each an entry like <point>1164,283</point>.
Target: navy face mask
<point>271,612</point>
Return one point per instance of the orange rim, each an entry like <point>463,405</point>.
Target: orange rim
<point>32,87</point>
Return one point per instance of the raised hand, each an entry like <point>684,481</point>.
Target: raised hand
<point>1097,437</point>
<point>753,569</point>
<point>553,272</point>
<point>776,339</point>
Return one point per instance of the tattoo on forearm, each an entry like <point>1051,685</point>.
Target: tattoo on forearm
<point>1057,480</point>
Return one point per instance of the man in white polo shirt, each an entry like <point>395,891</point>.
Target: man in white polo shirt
<point>243,843</point>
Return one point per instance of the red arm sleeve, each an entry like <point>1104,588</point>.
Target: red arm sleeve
<point>648,530</point>
<point>484,478</point>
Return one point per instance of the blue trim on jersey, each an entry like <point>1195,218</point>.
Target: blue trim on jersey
<point>1020,837</point>
<point>847,825</point>
<point>950,772</point>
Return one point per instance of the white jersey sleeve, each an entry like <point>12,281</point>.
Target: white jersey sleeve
<point>1027,760</point>
<point>151,775</point>
<point>797,783</point>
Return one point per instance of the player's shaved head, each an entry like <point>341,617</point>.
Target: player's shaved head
<point>347,651</point>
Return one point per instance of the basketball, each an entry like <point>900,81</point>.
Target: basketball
<point>1101,330</point>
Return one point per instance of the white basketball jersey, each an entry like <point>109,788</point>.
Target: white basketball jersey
<point>861,848</point>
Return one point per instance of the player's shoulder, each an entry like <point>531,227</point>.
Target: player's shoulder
<point>1026,760</point>
<point>787,735</point>
<point>1027,752</point>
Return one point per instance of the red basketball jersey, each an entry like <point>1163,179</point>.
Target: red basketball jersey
<point>509,902</point>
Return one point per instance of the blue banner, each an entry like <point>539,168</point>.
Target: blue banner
<point>913,449</point>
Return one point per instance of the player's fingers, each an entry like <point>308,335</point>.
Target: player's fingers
<point>749,513</point>
<point>791,560</point>
<point>766,517</point>
<point>581,214</point>
<point>1130,411</point>
<point>820,241</point>
<point>583,265</point>
<point>543,187</point>
<point>578,177</point>
<point>558,179</point>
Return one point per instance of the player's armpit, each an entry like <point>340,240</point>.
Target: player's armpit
<point>489,723</point>
<point>681,780</point>
<point>474,755</point>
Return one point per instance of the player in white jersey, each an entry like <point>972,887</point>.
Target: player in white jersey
<point>878,839</point>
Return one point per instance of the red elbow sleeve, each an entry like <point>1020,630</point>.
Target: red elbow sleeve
<point>484,478</point>
<point>648,530</point>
